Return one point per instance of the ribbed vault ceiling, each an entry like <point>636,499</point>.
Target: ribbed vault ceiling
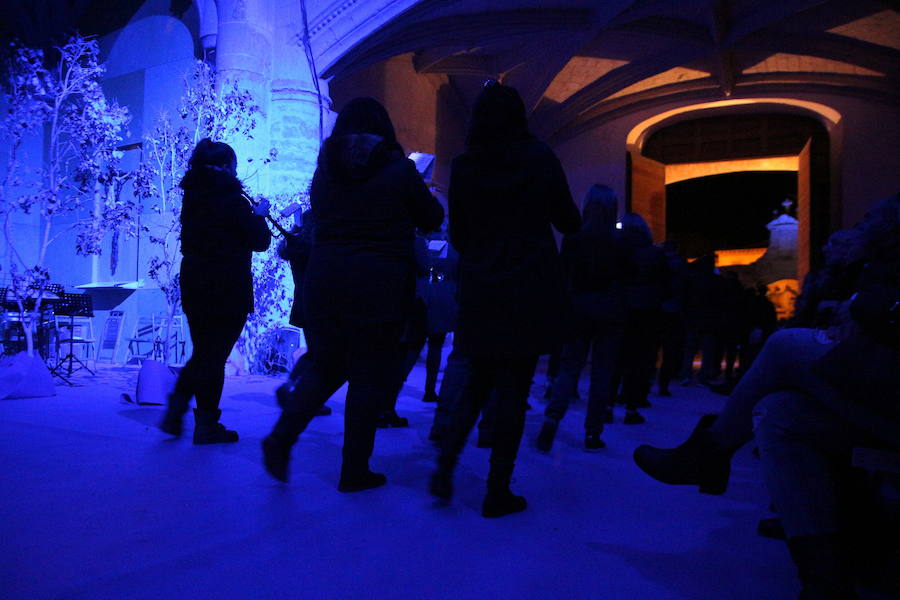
<point>576,61</point>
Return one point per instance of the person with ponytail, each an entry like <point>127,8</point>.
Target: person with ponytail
<point>220,231</point>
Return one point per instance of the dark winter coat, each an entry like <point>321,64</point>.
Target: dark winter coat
<point>504,201</point>
<point>366,202</point>
<point>219,233</point>
<point>649,284</point>
<point>598,262</point>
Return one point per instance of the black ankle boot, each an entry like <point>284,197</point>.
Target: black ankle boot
<point>592,442</point>
<point>499,500</point>
<point>698,461</point>
<point>441,483</point>
<point>822,573</point>
<point>208,430</point>
<point>545,438</point>
<point>172,421</point>
<point>357,480</point>
<point>390,418</point>
<point>276,457</point>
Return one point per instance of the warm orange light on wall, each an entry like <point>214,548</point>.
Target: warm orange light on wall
<point>682,172</point>
<point>738,257</point>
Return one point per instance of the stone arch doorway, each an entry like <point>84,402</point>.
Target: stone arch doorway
<point>760,139</point>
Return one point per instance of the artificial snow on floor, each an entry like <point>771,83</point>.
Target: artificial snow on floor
<point>97,503</point>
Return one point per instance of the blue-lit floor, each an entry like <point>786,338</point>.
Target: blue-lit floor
<point>97,503</point>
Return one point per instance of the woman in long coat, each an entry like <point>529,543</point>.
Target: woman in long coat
<point>366,200</point>
<point>507,192</point>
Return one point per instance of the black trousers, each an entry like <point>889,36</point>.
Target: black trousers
<point>505,381</point>
<point>639,354</point>
<point>673,338</point>
<point>213,336</point>
<point>366,355</point>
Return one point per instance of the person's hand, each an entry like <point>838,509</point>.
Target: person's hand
<point>262,208</point>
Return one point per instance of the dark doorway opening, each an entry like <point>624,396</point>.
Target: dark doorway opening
<point>729,211</point>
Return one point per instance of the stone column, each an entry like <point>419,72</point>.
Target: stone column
<point>294,120</point>
<point>244,55</point>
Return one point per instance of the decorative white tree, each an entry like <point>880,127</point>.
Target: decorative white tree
<point>272,294</point>
<point>83,128</point>
<point>205,111</point>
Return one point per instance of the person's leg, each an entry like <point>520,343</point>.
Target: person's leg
<point>704,459</point>
<point>553,365</point>
<point>711,356</point>
<point>604,350</point>
<point>452,385</point>
<point>409,355</point>
<point>374,357</point>
<point>218,334</point>
<point>214,336</point>
<point>640,355</point>
<point>323,371</point>
<point>512,383</point>
<point>433,364</point>
<point>474,391</point>
<point>800,441</point>
<point>672,350</point>
<point>572,358</point>
<point>785,362</point>
<point>186,384</point>
<point>301,375</point>
<point>691,346</point>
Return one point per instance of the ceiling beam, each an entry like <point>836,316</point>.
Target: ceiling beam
<point>827,45</point>
<point>723,63</point>
<point>620,78</point>
<point>468,30</point>
<point>464,64</point>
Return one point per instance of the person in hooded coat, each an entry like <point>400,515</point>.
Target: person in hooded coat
<point>507,192</point>
<point>366,201</point>
<point>598,262</point>
<point>220,230</point>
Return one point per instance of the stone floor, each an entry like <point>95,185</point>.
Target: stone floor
<point>97,503</point>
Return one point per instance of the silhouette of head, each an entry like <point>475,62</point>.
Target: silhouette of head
<point>365,116</point>
<point>216,155</point>
<point>636,230</point>
<point>498,116</point>
<point>600,206</point>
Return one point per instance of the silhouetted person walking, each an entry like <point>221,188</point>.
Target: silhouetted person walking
<point>220,230</point>
<point>597,261</point>
<point>367,199</point>
<point>505,192</point>
<point>672,331</point>
<point>645,291</point>
<point>296,248</point>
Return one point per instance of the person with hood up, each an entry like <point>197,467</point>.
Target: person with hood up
<point>598,262</point>
<point>507,192</point>
<point>366,201</point>
<point>220,231</point>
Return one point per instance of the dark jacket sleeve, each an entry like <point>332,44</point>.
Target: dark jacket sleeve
<point>428,214</point>
<point>563,213</point>
<point>249,229</point>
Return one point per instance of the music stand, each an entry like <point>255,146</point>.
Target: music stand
<point>73,305</point>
